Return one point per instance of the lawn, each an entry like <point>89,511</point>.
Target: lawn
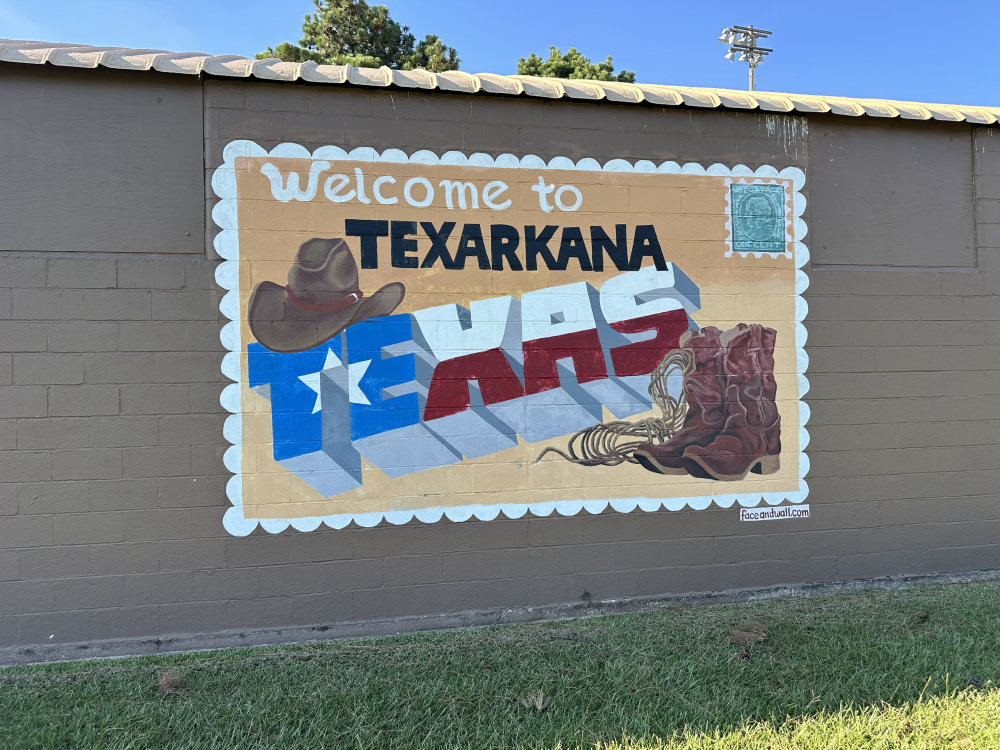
<point>914,668</point>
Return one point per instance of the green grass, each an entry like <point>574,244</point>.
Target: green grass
<point>913,668</point>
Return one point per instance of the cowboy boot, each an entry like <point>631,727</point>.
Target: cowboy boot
<point>706,414</point>
<point>751,437</point>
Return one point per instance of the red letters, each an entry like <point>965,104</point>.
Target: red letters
<point>540,356</point>
<point>642,357</point>
<point>449,389</point>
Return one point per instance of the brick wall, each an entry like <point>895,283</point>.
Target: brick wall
<point>112,487</point>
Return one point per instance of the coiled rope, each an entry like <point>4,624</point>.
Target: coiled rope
<point>613,443</point>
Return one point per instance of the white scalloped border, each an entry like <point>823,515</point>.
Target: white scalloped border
<point>226,275</point>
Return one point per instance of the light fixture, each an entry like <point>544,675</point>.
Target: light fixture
<point>743,39</point>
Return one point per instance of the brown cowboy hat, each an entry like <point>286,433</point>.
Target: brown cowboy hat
<point>321,299</point>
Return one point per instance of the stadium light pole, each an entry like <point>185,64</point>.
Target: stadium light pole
<point>742,41</point>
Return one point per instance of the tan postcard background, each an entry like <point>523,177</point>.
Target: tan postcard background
<point>689,214</point>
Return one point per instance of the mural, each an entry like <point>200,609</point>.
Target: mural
<point>429,336</point>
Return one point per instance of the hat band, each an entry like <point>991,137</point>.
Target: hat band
<point>326,307</point>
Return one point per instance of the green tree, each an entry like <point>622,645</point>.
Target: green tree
<point>352,32</point>
<point>574,64</point>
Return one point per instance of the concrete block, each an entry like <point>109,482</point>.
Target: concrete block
<point>80,273</point>
<point>317,546</point>
<point>122,431</point>
<point>253,125</point>
<point>471,566</point>
<point>26,531</point>
<point>83,400</point>
<point>311,128</point>
<point>89,528</point>
<point>157,461</point>
<point>117,304</point>
<point>53,562</point>
<point>988,184</point>
<point>158,588</point>
<point>21,336</point>
<point>26,466</point>
<point>225,94</point>
<point>141,622</point>
<point>611,526</point>
<point>155,336</point>
<point>83,336</point>
<point>51,497</point>
<point>22,271</point>
<point>54,627</point>
<point>257,549</point>
<point>206,523</point>
<point>271,612</point>
<point>8,434</point>
<point>191,554</point>
<point>154,399</point>
<point>143,525</point>
<point>91,592</point>
<point>45,369</point>
<point>322,608</point>
<point>150,273</point>
<point>353,102</point>
<point>187,367</point>
<point>663,581</point>
<point>361,130</point>
<point>335,576</point>
<point>87,463</point>
<point>203,398</point>
<point>185,305</point>
<point>222,585</point>
<point>200,274</point>
<point>203,336</point>
<point>123,558</point>
<point>550,531</point>
<point>192,492</point>
<point>923,358</point>
<point>120,494</point>
<point>498,534</point>
<point>48,304</point>
<point>413,570</point>
<point>502,110</point>
<point>761,573</point>
<point>72,432</point>
<point>21,597</point>
<point>586,558</point>
<point>23,401</point>
<point>189,429</point>
<point>118,368</point>
<point>190,617</point>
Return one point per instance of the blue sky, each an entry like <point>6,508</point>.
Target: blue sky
<point>920,50</point>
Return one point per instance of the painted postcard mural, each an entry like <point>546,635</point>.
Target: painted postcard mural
<point>455,336</point>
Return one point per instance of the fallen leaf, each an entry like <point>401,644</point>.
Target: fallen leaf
<point>538,701</point>
<point>749,632</point>
<point>170,682</point>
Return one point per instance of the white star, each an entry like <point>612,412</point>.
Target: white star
<point>312,379</point>
<point>356,371</point>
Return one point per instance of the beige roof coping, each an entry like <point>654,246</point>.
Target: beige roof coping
<point>234,66</point>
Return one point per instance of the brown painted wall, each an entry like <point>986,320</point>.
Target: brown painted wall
<point>103,163</point>
<point>111,479</point>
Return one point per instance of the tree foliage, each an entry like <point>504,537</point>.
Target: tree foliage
<point>574,64</point>
<point>352,32</point>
